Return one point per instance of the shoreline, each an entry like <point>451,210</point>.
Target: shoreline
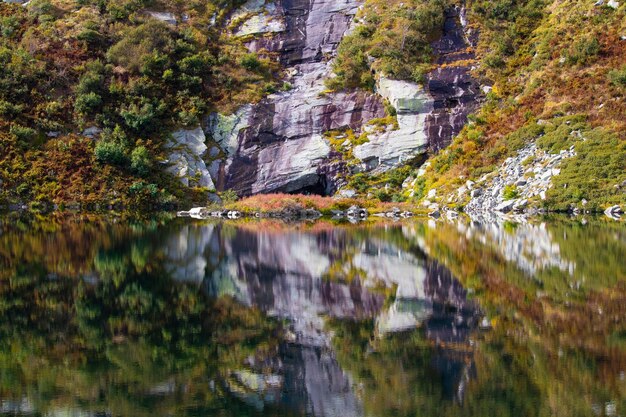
<point>307,207</point>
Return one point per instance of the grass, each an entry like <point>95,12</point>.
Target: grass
<point>271,203</point>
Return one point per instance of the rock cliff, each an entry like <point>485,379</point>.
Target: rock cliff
<point>279,144</point>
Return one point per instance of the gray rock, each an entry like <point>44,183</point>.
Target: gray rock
<point>186,149</point>
<point>92,132</point>
<point>346,193</point>
<point>435,214</point>
<point>166,17</point>
<point>356,212</point>
<point>505,206</point>
<point>476,192</point>
<point>394,146</point>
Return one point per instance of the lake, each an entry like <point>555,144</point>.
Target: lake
<point>114,316</point>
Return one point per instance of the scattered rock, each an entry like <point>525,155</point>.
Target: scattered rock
<point>356,212</point>
<point>613,4</point>
<point>485,324</point>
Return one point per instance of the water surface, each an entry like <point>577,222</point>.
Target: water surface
<point>177,317</point>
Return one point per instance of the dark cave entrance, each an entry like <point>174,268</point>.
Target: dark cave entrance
<point>321,187</point>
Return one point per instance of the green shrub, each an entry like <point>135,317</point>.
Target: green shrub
<point>8,109</point>
<point>88,104</point>
<point>138,44</point>
<point>383,195</point>
<point>141,117</point>
<point>250,62</point>
<point>524,135</point>
<point>228,196</point>
<point>141,187</point>
<point>617,77</point>
<point>140,161</point>
<point>583,51</point>
<point>112,153</point>
<point>23,133</point>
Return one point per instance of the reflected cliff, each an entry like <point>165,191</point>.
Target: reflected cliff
<point>186,318</point>
<point>336,274</point>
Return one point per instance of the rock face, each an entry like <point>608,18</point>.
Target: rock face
<point>187,148</point>
<point>454,92</point>
<point>278,144</point>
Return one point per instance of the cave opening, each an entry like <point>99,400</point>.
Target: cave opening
<point>321,187</point>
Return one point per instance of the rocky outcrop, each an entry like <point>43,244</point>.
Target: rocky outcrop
<point>279,145</point>
<point>394,146</point>
<point>186,151</point>
<point>258,17</point>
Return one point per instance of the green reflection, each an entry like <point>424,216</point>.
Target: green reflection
<point>102,327</point>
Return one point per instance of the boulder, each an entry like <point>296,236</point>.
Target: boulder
<point>356,212</point>
<point>505,206</point>
<point>613,212</point>
<point>435,214</point>
<point>92,132</point>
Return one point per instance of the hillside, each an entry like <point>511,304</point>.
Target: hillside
<point>558,76</point>
<point>158,103</point>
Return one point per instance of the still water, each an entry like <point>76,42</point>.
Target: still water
<point>179,317</point>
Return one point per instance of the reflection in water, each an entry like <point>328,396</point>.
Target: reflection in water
<point>198,318</point>
<point>334,273</point>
